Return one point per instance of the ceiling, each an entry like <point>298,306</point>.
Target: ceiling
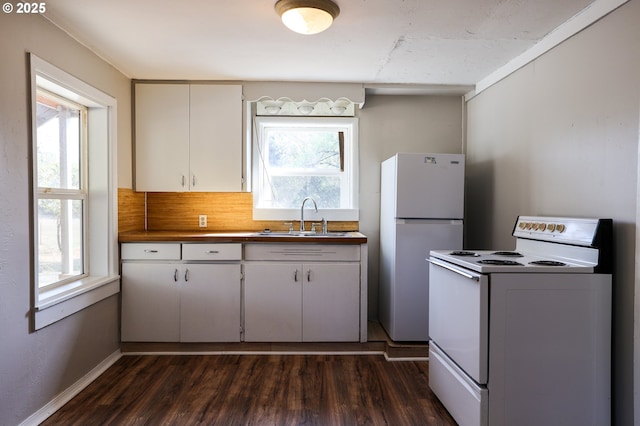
<point>384,42</point>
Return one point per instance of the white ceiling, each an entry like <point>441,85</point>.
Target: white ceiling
<point>405,42</point>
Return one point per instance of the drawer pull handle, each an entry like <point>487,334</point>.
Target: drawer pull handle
<point>213,252</point>
<point>150,251</point>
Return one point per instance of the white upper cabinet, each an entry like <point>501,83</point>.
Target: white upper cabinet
<point>188,137</point>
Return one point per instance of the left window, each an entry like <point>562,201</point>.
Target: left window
<point>60,173</point>
<point>74,229</point>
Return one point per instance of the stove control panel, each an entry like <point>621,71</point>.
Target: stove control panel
<point>542,226</point>
<point>561,230</point>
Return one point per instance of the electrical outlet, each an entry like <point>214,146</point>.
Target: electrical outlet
<point>202,221</point>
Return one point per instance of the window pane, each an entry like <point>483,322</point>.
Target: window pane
<point>304,149</point>
<point>291,190</point>
<point>60,250</point>
<point>58,144</point>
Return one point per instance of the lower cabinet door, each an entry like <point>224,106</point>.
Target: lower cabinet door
<point>331,302</point>
<point>272,302</point>
<point>150,302</point>
<point>210,303</point>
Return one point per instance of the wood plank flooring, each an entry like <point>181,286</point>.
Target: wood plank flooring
<point>269,389</point>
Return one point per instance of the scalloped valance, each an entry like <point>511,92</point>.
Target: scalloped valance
<point>301,93</point>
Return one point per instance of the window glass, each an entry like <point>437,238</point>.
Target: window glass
<point>60,190</point>
<point>60,245</point>
<point>58,143</point>
<point>299,157</point>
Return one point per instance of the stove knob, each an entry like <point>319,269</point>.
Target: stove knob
<point>528,225</point>
<point>551,227</point>
<point>542,227</point>
<point>560,228</point>
<point>521,225</point>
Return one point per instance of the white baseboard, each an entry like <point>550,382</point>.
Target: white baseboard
<point>65,396</point>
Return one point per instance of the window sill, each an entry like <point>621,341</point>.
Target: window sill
<point>66,300</point>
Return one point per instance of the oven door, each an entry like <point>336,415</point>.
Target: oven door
<point>459,316</point>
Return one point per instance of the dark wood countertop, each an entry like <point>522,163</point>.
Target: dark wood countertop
<point>237,237</point>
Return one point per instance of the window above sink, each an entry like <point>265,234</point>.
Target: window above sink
<point>297,157</point>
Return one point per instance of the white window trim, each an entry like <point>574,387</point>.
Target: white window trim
<point>53,304</point>
<point>351,157</point>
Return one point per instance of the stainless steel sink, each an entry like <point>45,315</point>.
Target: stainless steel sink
<point>301,234</point>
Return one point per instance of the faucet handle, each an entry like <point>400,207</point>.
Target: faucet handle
<point>313,226</point>
<point>290,225</point>
<point>324,226</point>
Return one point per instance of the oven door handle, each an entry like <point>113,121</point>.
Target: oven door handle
<point>452,269</point>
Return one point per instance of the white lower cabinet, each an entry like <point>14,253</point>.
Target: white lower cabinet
<point>291,302</point>
<point>331,302</point>
<point>177,301</point>
<point>272,302</point>
<point>313,301</point>
<point>150,302</point>
<point>210,303</point>
<point>174,292</point>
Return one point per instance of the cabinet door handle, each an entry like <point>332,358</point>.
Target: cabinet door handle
<point>150,251</point>
<point>186,275</point>
<point>175,275</point>
<point>193,180</point>
<point>183,181</point>
<point>295,276</point>
<point>309,275</point>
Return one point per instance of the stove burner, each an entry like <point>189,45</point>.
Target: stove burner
<point>501,262</point>
<point>508,253</point>
<point>464,253</point>
<point>547,263</point>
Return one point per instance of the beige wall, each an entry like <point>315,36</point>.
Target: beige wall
<point>390,124</point>
<point>560,137</point>
<point>35,367</point>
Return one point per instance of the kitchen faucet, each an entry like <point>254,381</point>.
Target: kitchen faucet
<point>315,206</point>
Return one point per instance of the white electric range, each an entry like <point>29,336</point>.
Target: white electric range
<point>523,336</point>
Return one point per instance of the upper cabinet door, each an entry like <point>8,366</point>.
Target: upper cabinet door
<point>216,138</point>
<point>162,137</point>
<point>188,137</point>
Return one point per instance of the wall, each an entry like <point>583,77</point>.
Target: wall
<point>390,124</point>
<point>36,366</point>
<point>560,137</point>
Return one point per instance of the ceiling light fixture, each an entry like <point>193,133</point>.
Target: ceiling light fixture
<point>307,16</point>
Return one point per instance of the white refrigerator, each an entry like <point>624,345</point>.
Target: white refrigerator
<point>421,209</point>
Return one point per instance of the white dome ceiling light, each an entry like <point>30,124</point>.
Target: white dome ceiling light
<point>307,16</point>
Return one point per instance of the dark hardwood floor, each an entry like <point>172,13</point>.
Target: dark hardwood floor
<point>257,390</point>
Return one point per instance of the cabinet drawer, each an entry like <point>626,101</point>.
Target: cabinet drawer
<point>303,252</point>
<point>464,399</point>
<point>144,251</point>
<point>212,251</point>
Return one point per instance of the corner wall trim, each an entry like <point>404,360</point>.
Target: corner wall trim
<point>65,396</point>
<point>592,13</point>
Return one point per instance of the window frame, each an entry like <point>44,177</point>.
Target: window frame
<point>349,125</point>
<point>101,280</point>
